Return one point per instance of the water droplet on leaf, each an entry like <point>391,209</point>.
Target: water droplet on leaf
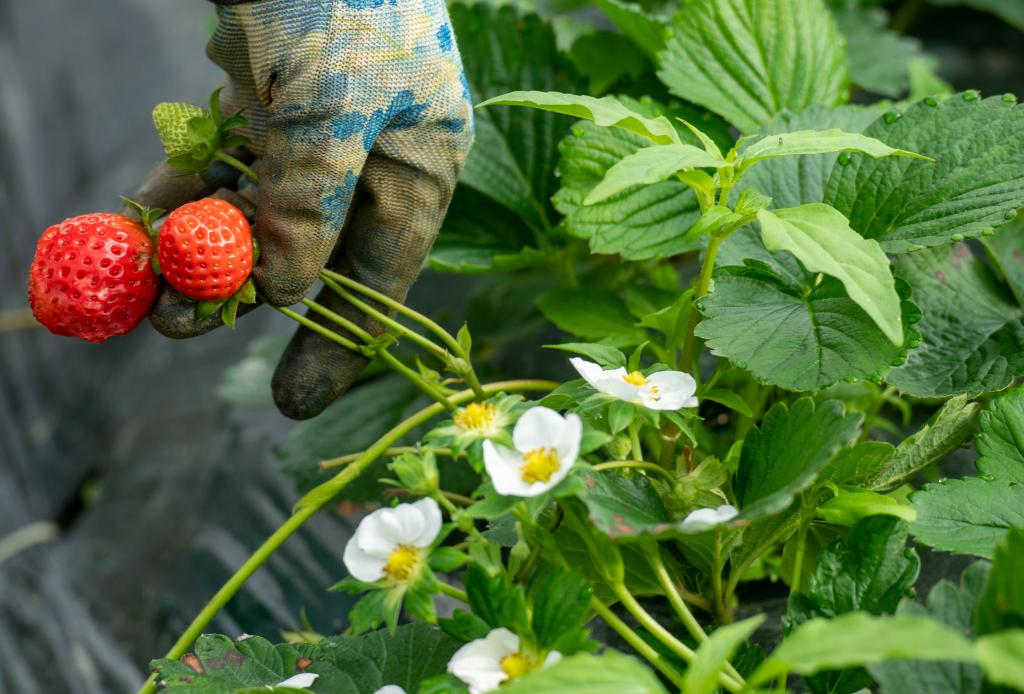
<point>891,117</point>
<point>972,95</point>
<point>844,159</point>
<point>1010,98</point>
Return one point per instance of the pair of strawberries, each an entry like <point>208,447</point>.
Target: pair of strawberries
<point>93,276</point>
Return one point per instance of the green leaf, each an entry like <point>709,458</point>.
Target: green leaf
<point>878,57</point>
<point>727,55</point>
<point>651,165</point>
<point>605,58</point>
<point>591,314</point>
<point>1006,252</point>
<point>607,357</point>
<point>862,639</point>
<point>975,184</point>
<point>852,504</point>
<point>822,240</point>
<point>791,182</point>
<point>806,142</point>
<point>638,23</point>
<point>1002,603</point>
<point>227,665</point>
<point>1002,657</point>
<point>972,334</point>
<point>629,509</point>
<point>496,600</point>
<point>730,399</point>
<point>870,571</point>
<point>480,236</point>
<point>702,675</point>
<point>949,605</point>
<point>1000,442</point>
<point>782,457</point>
<point>607,112</point>
<point>513,159</point>
<point>639,222</point>
<point>560,602</point>
<point>946,522</point>
<point>1010,12</point>
<point>792,331</point>
<point>584,673</point>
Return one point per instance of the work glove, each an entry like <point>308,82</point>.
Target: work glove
<point>359,122</point>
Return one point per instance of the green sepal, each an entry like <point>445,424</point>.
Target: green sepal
<point>229,312</point>
<point>247,294</point>
<point>147,215</point>
<point>155,262</point>
<point>205,309</point>
<point>255,250</point>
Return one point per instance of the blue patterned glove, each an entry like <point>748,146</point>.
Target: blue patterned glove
<point>360,120</point>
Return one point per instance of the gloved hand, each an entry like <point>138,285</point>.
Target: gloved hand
<point>360,120</point>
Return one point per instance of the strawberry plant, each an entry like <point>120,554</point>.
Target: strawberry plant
<point>772,320</point>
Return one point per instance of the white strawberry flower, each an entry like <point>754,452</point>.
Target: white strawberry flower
<point>707,518</point>
<point>661,390</point>
<point>303,680</point>
<point>484,664</point>
<point>390,543</point>
<point>546,445</point>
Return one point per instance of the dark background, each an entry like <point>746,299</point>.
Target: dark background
<point>141,489</point>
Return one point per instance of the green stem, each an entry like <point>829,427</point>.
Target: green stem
<point>470,375</point>
<point>721,611</point>
<point>315,500</point>
<point>343,460</point>
<point>649,467</point>
<point>429,388</point>
<point>678,603</point>
<point>634,442</point>
<point>798,558</point>
<point>637,643</point>
<point>323,331</point>
<point>662,634</point>
<point>27,536</point>
<point>703,282</point>
<point>454,592</point>
<point>432,347</point>
<point>231,161</point>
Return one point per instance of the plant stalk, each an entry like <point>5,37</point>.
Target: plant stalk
<point>637,643</point>
<point>703,282</point>
<point>237,164</point>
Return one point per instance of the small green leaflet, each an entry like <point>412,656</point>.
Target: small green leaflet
<point>646,30</point>
<point>1002,657</point>
<point>1000,442</point>
<point>586,673</point>
<point>782,457</point>
<point>607,112</point>
<point>822,240</point>
<point>879,57</point>
<point>804,142</point>
<point>972,334</point>
<point>651,165</point>
<point>1002,603</point>
<point>946,521</point>
<point>726,56</point>
<point>702,675</point>
<point>858,638</point>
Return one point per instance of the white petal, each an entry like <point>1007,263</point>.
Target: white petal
<point>590,371</point>
<point>402,524</point>
<point>376,533</point>
<point>539,427</point>
<point>568,447</point>
<point>431,526</point>
<point>303,680</point>
<point>617,388</point>
<point>478,663</point>
<point>691,402</point>
<point>362,566</point>
<point>390,689</point>
<point>553,657</point>
<point>705,518</point>
<point>675,390</point>
<point>503,467</point>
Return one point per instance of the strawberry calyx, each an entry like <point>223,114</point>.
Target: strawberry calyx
<point>194,138</point>
<point>228,307</point>
<point>148,216</point>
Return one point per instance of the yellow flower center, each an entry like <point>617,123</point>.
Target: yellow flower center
<point>476,417</point>
<point>539,464</point>
<point>516,665</point>
<point>635,378</point>
<point>402,563</point>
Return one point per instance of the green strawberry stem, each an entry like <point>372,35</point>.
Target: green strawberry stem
<point>319,497</point>
<point>232,161</point>
<point>453,344</point>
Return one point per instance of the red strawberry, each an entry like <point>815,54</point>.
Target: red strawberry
<point>205,249</point>
<point>92,277</point>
